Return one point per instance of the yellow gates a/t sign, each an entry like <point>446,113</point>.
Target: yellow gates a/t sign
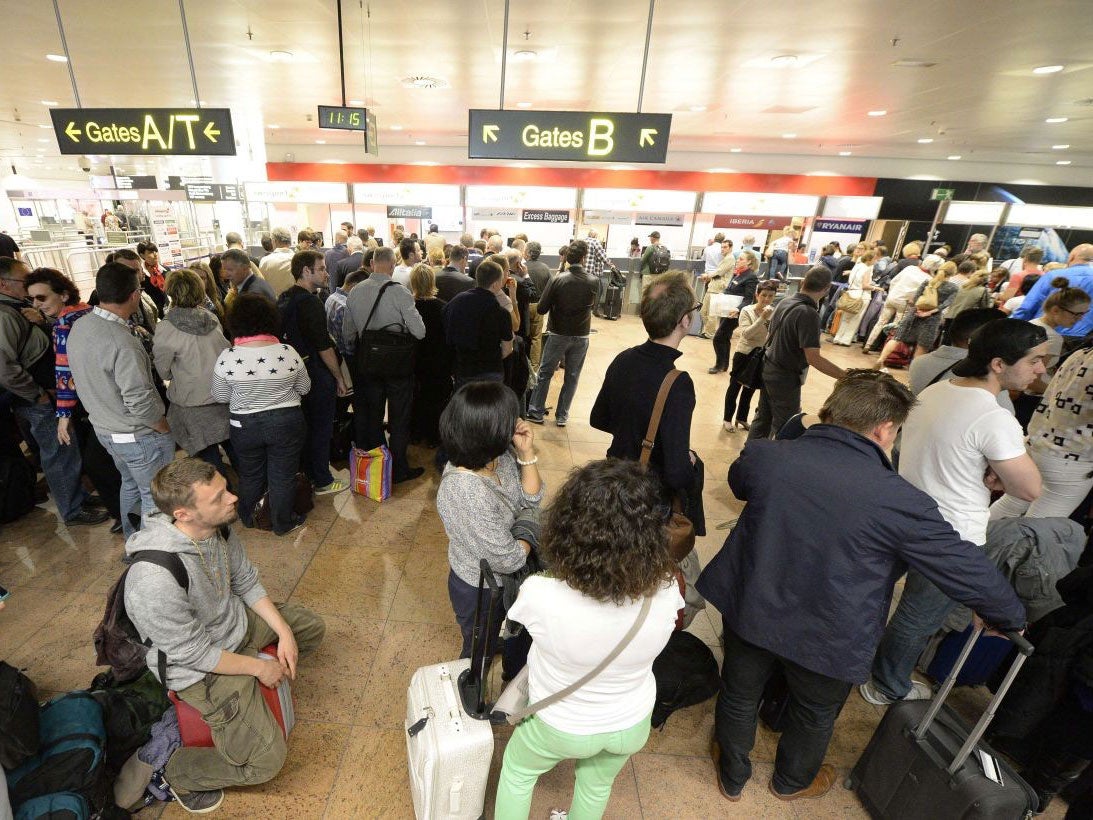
<point>151,131</point>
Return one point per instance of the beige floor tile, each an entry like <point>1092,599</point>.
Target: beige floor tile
<point>25,612</point>
<point>303,786</point>
<point>373,780</point>
<point>422,594</point>
<point>60,655</point>
<point>674,786</point>
<point>329,683</point>
<point>350,582</point>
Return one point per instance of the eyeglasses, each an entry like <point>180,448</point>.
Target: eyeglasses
<point>689,312</point>
<point>1078,313</point>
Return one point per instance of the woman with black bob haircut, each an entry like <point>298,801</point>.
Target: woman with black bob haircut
<point>488,499</point>
<point>605,541</point>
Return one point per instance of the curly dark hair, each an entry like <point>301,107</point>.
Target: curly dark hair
<point>56,281</point>
<point>252,314</point>
<point>605,532</point>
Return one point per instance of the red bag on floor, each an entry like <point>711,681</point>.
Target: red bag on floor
<point>900,357</point>
<point>195,731</point>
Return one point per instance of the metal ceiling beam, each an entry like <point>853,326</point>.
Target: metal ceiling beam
<point>68,57</point>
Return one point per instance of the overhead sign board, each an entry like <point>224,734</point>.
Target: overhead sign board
<point>341,118</point>
<point>941,194</point>
<point>409,212</point>
<point>506,214</point>
<point>127,183</point>
<point>144,131</point>
<point>663,220</point>
<point>839,225</point>
<point>606,217</point>
<point>212,192</point>
<point>568,135</point>
<point>746,221</point>
<point>555,217</point>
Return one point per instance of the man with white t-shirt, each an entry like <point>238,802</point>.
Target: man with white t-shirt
<point>958,445</point>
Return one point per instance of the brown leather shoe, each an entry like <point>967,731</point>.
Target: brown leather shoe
<point>715,753</point>
<point>821,785</point>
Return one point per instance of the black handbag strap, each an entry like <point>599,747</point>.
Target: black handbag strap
<point>376,304</point>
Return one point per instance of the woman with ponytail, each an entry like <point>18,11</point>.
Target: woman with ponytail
<point>921,323</point>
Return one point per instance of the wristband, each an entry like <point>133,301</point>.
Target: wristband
<point>527,463</point>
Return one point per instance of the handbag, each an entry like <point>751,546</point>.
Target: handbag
<point>513,702</point>
<point>303,501</point>
<point>850,304</point>
<point>751,371</point>
<point>928,299</point>
<point>370,472</point>
<point>681,532</point>
<point>384,353</point>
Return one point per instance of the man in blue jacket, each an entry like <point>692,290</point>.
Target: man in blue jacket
<point>1080,275</point>
<point>806,585</point>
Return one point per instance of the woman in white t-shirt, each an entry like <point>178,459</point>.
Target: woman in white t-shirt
<point>859,286</point>
<point>606,544</point>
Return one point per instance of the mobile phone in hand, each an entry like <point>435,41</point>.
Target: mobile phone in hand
<point>3,592</point>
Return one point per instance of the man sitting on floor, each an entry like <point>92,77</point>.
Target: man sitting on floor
<point>212,633</point>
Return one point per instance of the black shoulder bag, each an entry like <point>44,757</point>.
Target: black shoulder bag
<point>384,353</point>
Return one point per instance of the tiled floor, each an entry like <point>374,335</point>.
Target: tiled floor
<point>377,574</point>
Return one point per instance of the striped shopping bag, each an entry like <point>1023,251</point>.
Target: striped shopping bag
<point>370,473</point>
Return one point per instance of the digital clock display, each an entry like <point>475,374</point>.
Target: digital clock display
<point>343,119</point>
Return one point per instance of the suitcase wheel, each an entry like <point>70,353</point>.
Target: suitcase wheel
<point>849,783</point>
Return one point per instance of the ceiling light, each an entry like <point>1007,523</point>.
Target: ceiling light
<point>1062,162</point>
<point>914,63</point>
<point>698,108</point>
<point>274,127</point>
<point>926,140</point>
<point>1048,69</point>
<point>50,102</point>
<point>320,142</point>
<point>425,162</point>
<point>789,136</point>
<point>396,127</point>
<point>57,58</point>
<point>735,150</point>
<point>419,142</point>
<point>1061,147</point>
<point>525,55</point>
<point>40,125</point>
<point>44,139</point>
<point>880,112</point>
<point>523,105</point>
<point>845,153</point>
<point>954,156</point>
<point>1052,120</point>
<point>356,102</point>
<point>785,60</point>
<point>280,56</point>
<point>718,170</point>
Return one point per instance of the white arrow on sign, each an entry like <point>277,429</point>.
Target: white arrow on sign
<point>646,137</point>
<point>72,131</point>
<point>212,132</point>
<point>489,133</point>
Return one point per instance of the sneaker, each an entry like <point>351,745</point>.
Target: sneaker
<point>560,422</point>
<point>871,694</point>
<point>535,419</point>
<point>88,516</point>
<point>411,474</point>
<point>821,785</point>
<point>334,486</point>
<point>199,802</point>
<point>559,814</point>
<point>94,500</point>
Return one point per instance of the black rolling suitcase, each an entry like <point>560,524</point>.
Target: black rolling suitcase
<point>612,303</point>
<point>923,763</point>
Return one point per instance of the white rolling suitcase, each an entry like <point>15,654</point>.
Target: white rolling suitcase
<point>449,738</point>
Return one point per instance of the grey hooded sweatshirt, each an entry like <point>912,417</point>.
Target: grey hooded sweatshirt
<point>185,349</point>
<point>192,629</point>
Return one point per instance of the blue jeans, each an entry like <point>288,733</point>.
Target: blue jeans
<point>138,462</point>
<point>268,445</point>
<point>921,612</point>
<point>778,265</point>
<point>573,349</point>
<point>319,407</point>
<point>61,463</point>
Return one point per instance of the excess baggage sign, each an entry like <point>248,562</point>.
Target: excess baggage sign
<point>144,131</point>
<point>578,136</point>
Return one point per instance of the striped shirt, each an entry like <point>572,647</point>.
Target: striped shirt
<point>66,387</point>
<point>255,379</point>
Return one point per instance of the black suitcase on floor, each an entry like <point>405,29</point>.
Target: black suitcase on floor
<point>612,307</point>
<point>923,763</point>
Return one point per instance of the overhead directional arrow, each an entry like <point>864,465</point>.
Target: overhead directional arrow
<point>489,133</point>
<point>211,132</point>
<point>72,131</point>
<point>646,137</point>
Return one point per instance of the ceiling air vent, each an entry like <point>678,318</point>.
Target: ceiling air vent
<point>423,81</point>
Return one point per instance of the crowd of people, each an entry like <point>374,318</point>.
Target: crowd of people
<point>255,364</point>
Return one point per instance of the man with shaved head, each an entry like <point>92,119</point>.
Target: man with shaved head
<point>1080,275</point>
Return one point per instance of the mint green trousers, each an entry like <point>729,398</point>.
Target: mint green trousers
<point>535,748</point>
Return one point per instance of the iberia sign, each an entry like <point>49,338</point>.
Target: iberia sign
<point>568,135</point>
<point>162,131</point>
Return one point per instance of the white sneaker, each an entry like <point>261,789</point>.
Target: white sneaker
<point>559,814</point>
<point>870,693</point>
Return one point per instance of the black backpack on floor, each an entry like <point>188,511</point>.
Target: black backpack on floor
<point>17,480</point>
<point>18,717</point>
<point>686,673</point>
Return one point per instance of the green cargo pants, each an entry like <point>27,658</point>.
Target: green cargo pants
<point>249,746</point>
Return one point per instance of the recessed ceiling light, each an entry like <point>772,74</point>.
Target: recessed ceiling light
<point>49,102</point>
<point>735,150</point>
<point>845,153</point>
<point>914,63</point>
<point>1062,162</point>
<point>40,125</point>
<point>396,127</point>
<point>718,170</point>
<point>320,142</point>
<point>523,105</point>
<point>44,139</point>
<point>789,136</point>
<point>280,56</point>
<point>785,59</point>
<point>419,142</point>
<point>524,55</point>
<point>880,112</point>
<point>1048,69</point>
<point>1060,147</point>
<point>424,81</point>
<point>698,108</point>
<point>926,140</point>
<point>356,102</point>
<point>424,162</point>
<point>954,156</point>
<point>1052,120</point>
<point>274,127</point>
<point>57,58</point>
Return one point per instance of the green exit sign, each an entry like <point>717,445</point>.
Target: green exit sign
<point>941,194</point>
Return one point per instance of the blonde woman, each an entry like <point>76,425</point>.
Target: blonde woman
<point>433,364</point>
<point>921,322</point>
<point>212,292</point>
<point>859,286</point>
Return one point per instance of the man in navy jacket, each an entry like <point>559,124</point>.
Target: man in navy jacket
<point>805,579</point>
